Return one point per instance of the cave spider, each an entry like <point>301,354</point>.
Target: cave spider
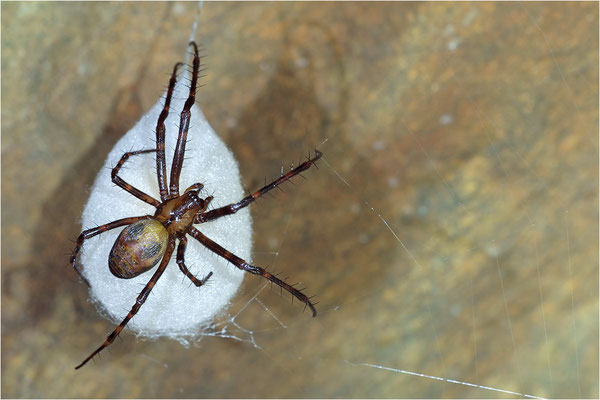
<point>150,239</point>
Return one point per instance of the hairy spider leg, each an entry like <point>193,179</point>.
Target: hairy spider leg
<point>184,124</point>
<point>243,265</point>
<point>235,207</point>
<point>183,268</point>
<point>161,164</point>
<point>126,186</point>
<point>138,302</point>
<point>96,231</point>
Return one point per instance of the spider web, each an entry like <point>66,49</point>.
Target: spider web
<point>518,259</point>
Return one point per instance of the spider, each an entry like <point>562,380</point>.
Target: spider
<point>149,240</point>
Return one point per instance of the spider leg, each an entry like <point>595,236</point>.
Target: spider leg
<point>96,231</point>
<point>183,268</point>
<point>126,186</point>
<point>234,207</point>
<point>243,265</point>
<point>161,165</point>
<point>138,302</point>
<point>184,124</point>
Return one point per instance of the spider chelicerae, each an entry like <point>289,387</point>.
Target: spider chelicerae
<point>148,240</point>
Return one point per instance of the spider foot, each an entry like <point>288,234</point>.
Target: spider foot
<point>202,281</point>
<point>83,278</point>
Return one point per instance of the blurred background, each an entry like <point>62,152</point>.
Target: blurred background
<point>451,229</point>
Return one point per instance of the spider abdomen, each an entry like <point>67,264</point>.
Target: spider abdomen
<point>139,247</point>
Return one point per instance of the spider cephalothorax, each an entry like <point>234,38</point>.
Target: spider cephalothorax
<point>149,240</point>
